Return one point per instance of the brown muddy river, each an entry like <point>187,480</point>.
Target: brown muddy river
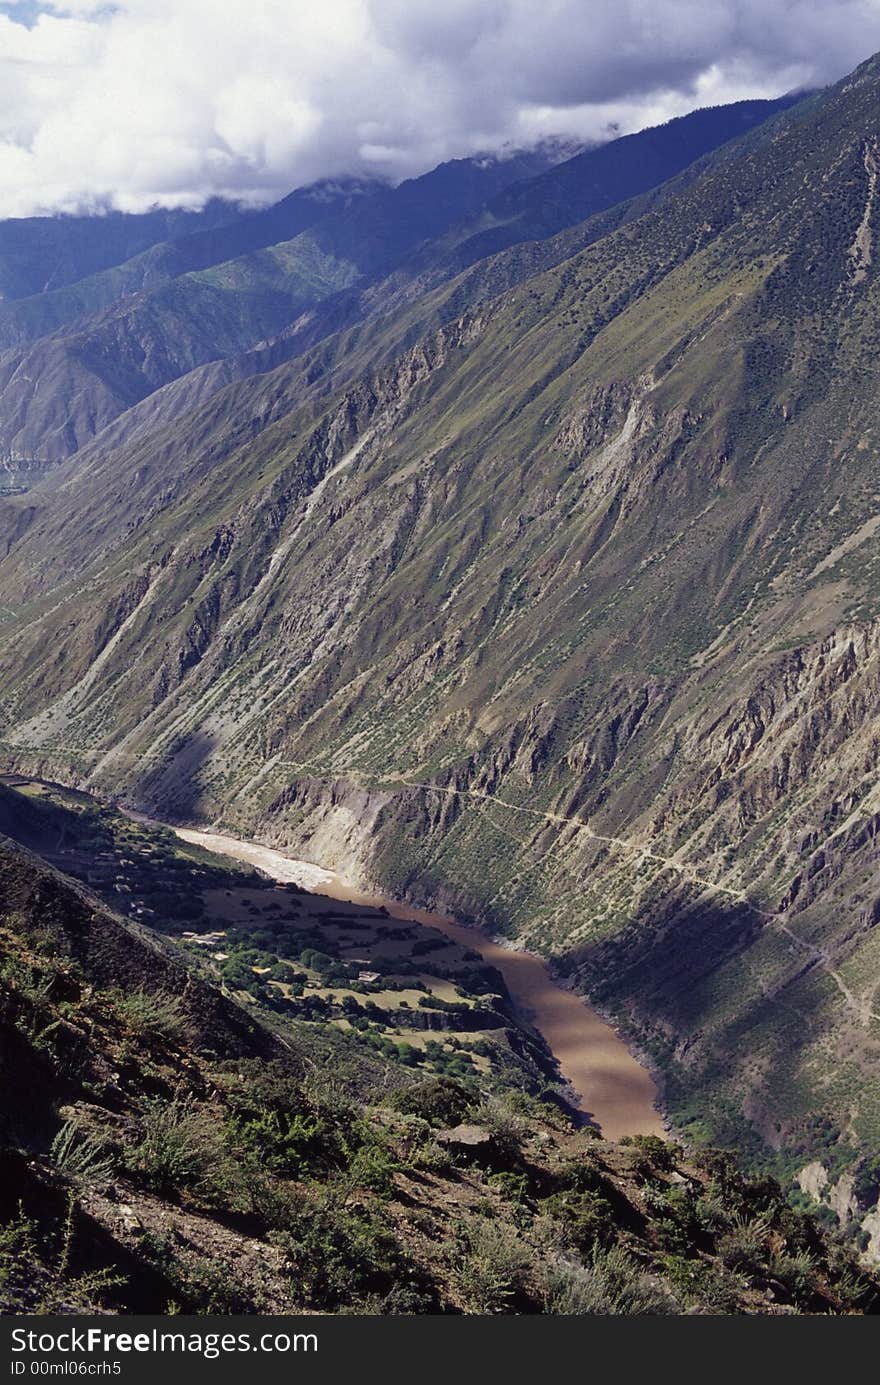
<point>612,1086</point>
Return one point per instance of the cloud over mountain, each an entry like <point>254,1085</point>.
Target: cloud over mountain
<point>141,102</point>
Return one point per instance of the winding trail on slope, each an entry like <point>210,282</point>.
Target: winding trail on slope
<point>644,853</point>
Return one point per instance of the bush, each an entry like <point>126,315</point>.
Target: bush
<point>611,1284</point>
<point>581,1175</point>
<point>796,1273</point>
<point>514,1187</point>
<point>372,1167</point>
<point>178,1149</point>
<point>336,1255</point>
<point>712,1288</point>
<point>585,1217</point>
<point>292,1127</point>
<point>35,1269</point>
<point>199,1283</point>
<point>711,1210</point>
<point>287,1142</point>
<point>440,1101</point>
<point>657,1153</point>
<point>493,1270</point>
<point>153,1014</point>
<point>744,1246</point>
<point>505,1124</point>
<point>80,1157</point>
<point>19,1241</point>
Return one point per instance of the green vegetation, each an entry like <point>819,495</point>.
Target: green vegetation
<point>153,1014</point>
<point>267,1180</point>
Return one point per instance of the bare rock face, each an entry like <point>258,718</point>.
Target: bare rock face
<point>813,1180</point>
<point>474,1140</point>
<point>871,1226</point>
<point>849,1204</point>
<point>842,1200</point>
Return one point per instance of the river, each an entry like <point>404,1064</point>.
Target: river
<point>612,1086</point>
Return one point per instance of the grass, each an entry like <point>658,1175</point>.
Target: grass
<point>81,1157</point>
<point>154,1014</point>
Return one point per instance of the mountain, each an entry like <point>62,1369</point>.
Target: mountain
<point>596,179</point>
<point>168,1148</point>
<point>75,358</point>
<point>547,595</point>
<point>43,253</point>
<point>198,246</point>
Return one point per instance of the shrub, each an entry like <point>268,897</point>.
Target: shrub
<point>201,1283</point>
<point>80,1157</point>
<point>493,1269</point>
<point>512,1186</point>
<point>18,1251</point>
<point>712,1288</point>
<point>153,1014</point>
<point>611,1284</point>
<point>585,1217</point>
<point>287,1142</point>
<point>711,1210</point>
<point>581,1174</point>
<point>438,1100</point>
<point>744,1246</point>
<point>505,1124</point>
<point>796,1273</point>
<point>432,1158</point>
<point>372,1167</point>
<point>35,1269</point>
<point>178,1149</point>
<point>657,1153</point>
<point>337,1254</point>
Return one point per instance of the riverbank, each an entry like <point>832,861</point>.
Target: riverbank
<point>609,1084</point>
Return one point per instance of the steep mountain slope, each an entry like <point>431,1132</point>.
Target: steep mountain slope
<point>395,312</point>
<point>79,356</point>
<point>195,247</point>
<point>577,590</point>
<point>335,246</point>
<point>600,178</point>
<point>562,197</point>
<point>39,254</point>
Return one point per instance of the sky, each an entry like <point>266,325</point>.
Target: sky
<point>141,103</point>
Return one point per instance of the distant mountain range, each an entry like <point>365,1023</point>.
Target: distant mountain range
<point>100,312</point>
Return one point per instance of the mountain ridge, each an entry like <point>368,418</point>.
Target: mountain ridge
<point>343,242</point>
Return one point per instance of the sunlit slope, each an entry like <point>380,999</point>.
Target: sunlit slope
<point>74,358</point>
<point>84,350</point>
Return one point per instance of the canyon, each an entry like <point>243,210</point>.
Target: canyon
<point>537,587</point>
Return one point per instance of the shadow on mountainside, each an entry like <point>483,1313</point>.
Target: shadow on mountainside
<point>734,1009</point>
<point>176,788</point>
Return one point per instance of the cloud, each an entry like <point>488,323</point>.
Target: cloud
<point>169,102</point>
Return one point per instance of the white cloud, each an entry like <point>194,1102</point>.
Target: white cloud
<point>141,102</point>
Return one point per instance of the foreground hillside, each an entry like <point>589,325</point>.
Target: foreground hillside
<point>551,596</point>
<point>164,1151</point>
